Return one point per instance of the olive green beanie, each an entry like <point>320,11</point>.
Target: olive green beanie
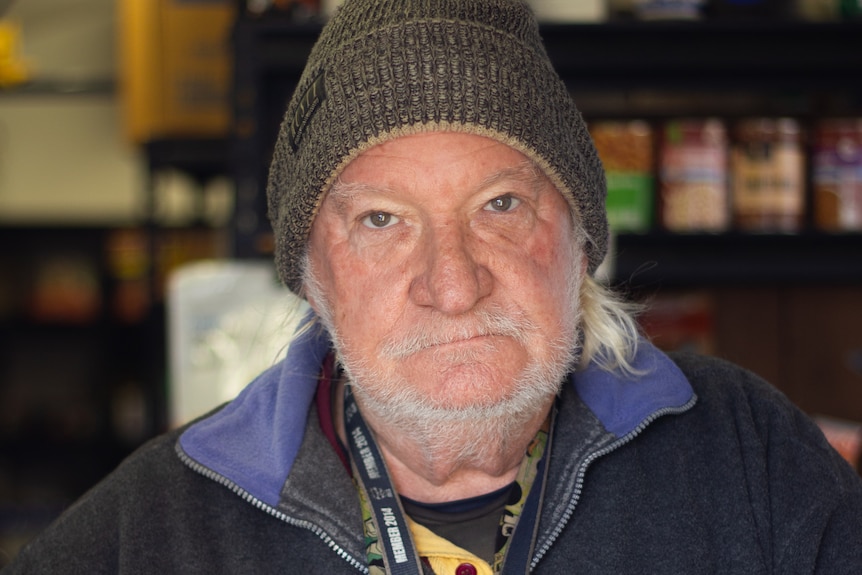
<point>386,68</point>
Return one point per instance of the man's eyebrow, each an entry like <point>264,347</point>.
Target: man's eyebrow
<point>343,193</point>
<point>525,172</point>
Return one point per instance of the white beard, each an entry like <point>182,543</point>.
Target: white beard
<point>469,433</point>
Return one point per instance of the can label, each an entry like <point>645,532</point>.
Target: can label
<point>837,177</point>
<point>629,202</point>
<point>768,179</point>
<point>694,177</point>
<point>768,166</point>
<point>626,151</point>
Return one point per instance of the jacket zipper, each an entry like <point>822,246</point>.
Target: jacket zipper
<point>248,497</point>
<point>582,470</point>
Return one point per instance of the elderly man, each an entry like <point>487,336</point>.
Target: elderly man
<point>466,397</point>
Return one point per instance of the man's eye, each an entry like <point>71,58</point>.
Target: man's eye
<point>379,220</point>
<point>503,204</point>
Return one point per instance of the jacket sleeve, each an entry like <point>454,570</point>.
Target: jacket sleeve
<point>807,499</point>
<point>82,540</point>
<point>154,514</point>
<point>115,523</point>
<point>840,545</point>
<point>826,535</point>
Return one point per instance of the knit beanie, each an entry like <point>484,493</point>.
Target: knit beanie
<point>388,68</point>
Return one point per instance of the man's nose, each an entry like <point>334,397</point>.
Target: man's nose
<point>450,278</point>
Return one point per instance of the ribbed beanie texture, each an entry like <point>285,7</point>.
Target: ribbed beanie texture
<point>386,68</point>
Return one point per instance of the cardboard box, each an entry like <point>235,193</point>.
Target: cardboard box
<point>175,68</point>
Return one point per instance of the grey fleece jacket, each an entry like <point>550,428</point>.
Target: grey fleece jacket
<point>702,468</point>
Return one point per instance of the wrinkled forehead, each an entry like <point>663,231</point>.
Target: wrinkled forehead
<point>380,169</point>
<point>345,191</point>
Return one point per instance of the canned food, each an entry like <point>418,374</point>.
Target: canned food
<point>837,175</point>
<point>626,151</point>
<point>693,172</point>
<point>768,181</point>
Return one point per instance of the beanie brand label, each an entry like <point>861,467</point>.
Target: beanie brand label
<point>307,105</point>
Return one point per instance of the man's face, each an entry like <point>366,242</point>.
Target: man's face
<point>447,268</point>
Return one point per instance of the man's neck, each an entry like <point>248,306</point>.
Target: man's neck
<point>437,477</point>
<point>459,469</point>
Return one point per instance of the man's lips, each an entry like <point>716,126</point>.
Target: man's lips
<point>485,341</point>
<point>462,332</point>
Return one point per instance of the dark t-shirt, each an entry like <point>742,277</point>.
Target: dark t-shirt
<point>472,524</point>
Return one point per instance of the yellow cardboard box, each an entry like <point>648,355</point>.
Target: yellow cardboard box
<point>13,70</point>
<point>175,68</point>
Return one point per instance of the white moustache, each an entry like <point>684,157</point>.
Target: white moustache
<point>442,331</point>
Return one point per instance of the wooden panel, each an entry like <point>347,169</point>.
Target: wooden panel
<point>823,350</point>
<point>747,330</point>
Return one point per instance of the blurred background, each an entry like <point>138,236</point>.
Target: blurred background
<point>136,290</point>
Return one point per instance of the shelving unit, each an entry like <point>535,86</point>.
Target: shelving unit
<point>719,55</point>
<point>70,362</point>
<point>82,359</point>
<point>82,335</point>
<point>692,260</point>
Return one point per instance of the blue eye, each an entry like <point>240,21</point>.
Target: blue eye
<point>379,220</point>
<point>503,204</point>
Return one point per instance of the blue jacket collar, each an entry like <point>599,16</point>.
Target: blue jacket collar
<point>621,403</point>
<point>252,442</point>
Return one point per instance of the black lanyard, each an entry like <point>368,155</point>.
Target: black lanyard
<point>393,532</point>
<point>399,553</point>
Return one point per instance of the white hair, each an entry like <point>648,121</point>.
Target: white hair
<point>609,329</point>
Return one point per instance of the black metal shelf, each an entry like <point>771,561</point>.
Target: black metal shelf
<point>655,260</point>
<point>201,158</point>
<point>719,55</point>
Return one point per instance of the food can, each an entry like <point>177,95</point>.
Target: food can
<point>693,174</point>
<point>626,151</point>
<point>768,175</point>
<point>837,175</point>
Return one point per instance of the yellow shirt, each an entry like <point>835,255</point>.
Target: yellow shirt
<point>445,557</point>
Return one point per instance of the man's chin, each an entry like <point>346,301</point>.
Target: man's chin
<point>452,403</point>
<point>464,385</point>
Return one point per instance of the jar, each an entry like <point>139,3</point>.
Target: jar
<point>626,151</point>
<point>768,176</point>
<point>837,175</point>
<point>693,174</point>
